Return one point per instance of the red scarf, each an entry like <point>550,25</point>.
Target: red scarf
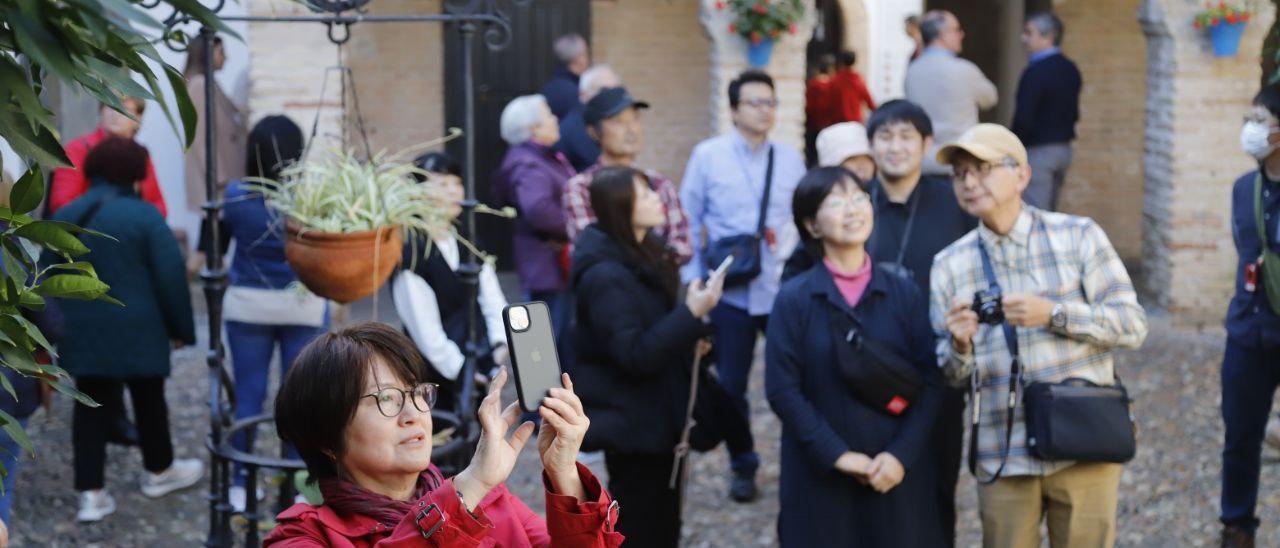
<point>348,499</point>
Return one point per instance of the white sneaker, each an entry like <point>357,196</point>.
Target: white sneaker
<point>181,474</point>
<point>95,505</point>
<point>236,496</point>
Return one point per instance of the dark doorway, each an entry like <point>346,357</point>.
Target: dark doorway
<point>519,69</point>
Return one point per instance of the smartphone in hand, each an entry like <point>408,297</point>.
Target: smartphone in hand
<point>722,269</point>
<point>532,345</point>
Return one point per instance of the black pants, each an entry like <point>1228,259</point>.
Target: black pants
<point>90,426</point>
<point>649,512</point>
<point>948,435</point>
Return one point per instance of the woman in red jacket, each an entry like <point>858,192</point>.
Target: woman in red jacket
<point>355,407</point>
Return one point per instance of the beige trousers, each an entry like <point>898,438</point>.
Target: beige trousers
<point>1079,504</point>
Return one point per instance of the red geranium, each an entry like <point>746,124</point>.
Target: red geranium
<point>719,5</point>
<point>755,37</point>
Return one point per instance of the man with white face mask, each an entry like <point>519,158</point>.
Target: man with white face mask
<point>1250,365</point>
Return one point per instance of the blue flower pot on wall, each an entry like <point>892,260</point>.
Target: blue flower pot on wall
<point>1226,38</point>
<point>758,54</point>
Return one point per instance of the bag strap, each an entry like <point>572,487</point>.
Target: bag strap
<point>83,220</point>
<point>1270,271</point>
<point>679,469</point>
<point>1015,384</point>
<point>764,202</point>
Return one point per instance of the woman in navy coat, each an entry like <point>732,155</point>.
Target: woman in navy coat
<point>852,475</point>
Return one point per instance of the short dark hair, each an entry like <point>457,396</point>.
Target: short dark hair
<point>747,77</point>
<point>807,198</point>
<point>118,160</point>
<point>1048,24</point>
<point>436,162</point>
<point>274,143</point>
<point>826,62</point>
<point>848,58</point>
<point>322,390</point>
<point>900,110</point>
<point>931,25</point>
<point>1269,98</point>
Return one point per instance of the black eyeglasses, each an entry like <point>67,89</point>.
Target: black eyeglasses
<point>959,175</point>
<point>391,400</point>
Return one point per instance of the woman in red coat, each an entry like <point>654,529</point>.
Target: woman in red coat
<point>355,407</point>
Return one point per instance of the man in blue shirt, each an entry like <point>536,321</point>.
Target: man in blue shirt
<point>723,187</point>
<point>1048,108</point>
<point>1251,363</point>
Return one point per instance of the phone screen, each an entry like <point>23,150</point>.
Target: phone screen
<point>534,359</point>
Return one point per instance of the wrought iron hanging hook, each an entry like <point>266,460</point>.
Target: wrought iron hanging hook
<point>346,32</point>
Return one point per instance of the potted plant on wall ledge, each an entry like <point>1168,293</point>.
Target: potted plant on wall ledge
<point>761,23</point>
<point>1225,23</point>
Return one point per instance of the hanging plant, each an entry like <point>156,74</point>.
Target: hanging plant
<point>345,219</point>
<point>761,20</point>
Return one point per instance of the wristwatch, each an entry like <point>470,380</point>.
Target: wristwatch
<point>1058,318</point>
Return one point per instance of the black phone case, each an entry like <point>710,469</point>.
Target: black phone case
<point>534,359</point>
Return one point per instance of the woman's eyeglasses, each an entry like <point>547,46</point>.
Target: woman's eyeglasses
<point>391,400</point>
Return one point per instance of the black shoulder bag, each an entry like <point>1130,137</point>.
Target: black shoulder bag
<point>876,374</point>
<point>744,248</point>
<point>1075,420</point>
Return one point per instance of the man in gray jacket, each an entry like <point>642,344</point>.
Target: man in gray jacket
<point>951,90</point>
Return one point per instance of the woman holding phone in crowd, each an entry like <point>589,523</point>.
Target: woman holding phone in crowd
<point>635,346</point>
<point>356,407</point>
<point>853,474</point>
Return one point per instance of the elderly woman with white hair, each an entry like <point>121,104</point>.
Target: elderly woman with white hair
<point>532,179</point>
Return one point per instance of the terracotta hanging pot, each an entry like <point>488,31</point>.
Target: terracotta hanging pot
<point>343,267</point>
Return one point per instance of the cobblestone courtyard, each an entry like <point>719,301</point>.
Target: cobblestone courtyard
<point>1168,496</point>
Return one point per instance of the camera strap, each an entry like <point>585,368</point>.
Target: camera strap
<point>1015,384</point>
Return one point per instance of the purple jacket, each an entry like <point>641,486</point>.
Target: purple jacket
<point>532,179</point>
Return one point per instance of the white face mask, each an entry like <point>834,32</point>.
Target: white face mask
<point>1254,139</point>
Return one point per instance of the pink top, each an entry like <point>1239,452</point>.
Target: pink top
<point>851,285</point>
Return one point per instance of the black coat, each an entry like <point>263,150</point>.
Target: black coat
<point>821,417</point>
<point>634,349</point>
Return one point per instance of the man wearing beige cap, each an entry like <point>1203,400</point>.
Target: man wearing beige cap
<point>1067,301</point>
<point>845,145</point>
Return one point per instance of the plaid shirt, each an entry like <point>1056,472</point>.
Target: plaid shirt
<point>578,214</point>
<point>1065,259</point>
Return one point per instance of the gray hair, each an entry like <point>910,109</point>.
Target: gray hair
<point>519,117</point>
<point>569,47</point>
<point>1048,24</point>
<point>931,25</point>
<point>595,79</point>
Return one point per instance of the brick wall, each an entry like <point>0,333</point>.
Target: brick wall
<point>787,67</point>
<point>1195,102</point>
<point>1105,181</point>
<point>663,56</point>
<point>399,70</point>
<point>286,70</point>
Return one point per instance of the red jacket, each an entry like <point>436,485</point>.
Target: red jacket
<point>500,519</point>
<point>853,93</point>
<point>69,182</point>
<point>820,104</point>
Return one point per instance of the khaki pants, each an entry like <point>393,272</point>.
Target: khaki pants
<point>1079,504</point>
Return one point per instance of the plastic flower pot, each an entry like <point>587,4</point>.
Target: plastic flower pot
<point>1226,38</point>
<point>343,267</point>
<point>759,53</point>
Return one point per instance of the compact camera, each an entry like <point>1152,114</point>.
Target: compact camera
<point>989,306</point>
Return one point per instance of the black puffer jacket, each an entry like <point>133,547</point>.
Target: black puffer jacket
<point>634,349</point>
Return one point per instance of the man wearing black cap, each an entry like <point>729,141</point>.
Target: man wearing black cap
<point>613,121</point>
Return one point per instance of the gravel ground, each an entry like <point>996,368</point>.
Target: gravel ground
<point>1168,494</point>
